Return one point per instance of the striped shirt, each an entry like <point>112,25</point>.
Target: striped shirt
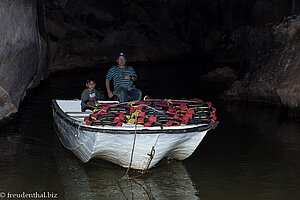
<point>117,74</point>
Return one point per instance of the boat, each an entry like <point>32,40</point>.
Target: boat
<point>130,145</point>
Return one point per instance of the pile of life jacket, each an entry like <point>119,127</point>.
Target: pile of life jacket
<point>152,113</point>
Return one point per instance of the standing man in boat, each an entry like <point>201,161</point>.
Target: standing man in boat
<point>123,77</point>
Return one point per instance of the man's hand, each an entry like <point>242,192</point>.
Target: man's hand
<point>127,77</point>
<point>130,77</point>
<point>110,94</point>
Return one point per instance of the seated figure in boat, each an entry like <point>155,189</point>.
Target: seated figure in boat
<point>89,96</point>
<point>123,77</point>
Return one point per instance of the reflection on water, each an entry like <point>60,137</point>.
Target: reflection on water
<point>100,179</point>
<point>168,181</point>
<point>254,153</point>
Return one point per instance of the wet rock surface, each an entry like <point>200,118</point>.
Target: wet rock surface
<point>220,75</point>
<point>22,52</point>
<point>270,66</point>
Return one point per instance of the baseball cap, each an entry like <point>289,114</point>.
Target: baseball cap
<point>122,54</point>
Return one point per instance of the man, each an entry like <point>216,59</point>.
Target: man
<point>123,77</point>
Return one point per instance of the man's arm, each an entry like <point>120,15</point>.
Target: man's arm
<point>133,76</point>
<point>107,85</point>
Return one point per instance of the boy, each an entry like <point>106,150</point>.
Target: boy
<point>89,96</point>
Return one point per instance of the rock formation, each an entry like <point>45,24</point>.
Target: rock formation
<point>22,51</point>
<point>220,75</point>
<point>271,65</point>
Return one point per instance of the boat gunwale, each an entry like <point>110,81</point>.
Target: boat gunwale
<point>76,124</point>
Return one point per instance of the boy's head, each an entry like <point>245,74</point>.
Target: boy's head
<point>90,84</point>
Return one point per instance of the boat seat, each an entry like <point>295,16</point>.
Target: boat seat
<point>78,114</point>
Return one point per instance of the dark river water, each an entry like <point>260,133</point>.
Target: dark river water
<point>254,153</point>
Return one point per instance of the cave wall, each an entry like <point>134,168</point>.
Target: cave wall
<point>22,52</point>
<point>91,32</point>
<point>270,68</point>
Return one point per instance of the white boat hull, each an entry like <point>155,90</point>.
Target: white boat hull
<point>115,145</point>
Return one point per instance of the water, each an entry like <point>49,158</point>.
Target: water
<point>253,154</point>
